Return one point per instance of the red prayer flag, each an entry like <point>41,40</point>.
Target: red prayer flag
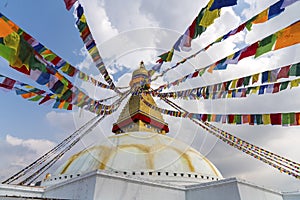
<point>195,74</point>
<point>8,83</point>
<point>276,87</point>
<point>240,82</point>
<point>204,117</point>
<point>230,119</point>
<point>46,98</point>
<point>284,72</point>
<point>249,51</point>
<point>69,3</point>
<point>275,118</point>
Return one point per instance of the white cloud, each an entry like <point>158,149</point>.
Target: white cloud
<point>39,146</point>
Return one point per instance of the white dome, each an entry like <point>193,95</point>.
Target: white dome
<point>141,152</point>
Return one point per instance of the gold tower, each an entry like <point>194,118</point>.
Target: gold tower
<point>136,115</point>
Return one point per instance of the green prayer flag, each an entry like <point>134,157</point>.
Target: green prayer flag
<point>34,64</point>
<point>36,98</point>
<point>6,52</point>
<point>66,105</point>
<point>265,45</point>
<point>285,118</point>
<point>66,95</point>
<point>238,119</point>
<point>259,120</point>
<point>295,70</point>
<point>199,29</point>
<point>292,118</point>
<point>246,80</point>
<point>208,117</point>
<point>284,85</point>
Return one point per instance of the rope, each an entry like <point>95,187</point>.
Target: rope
<point>230,139</point>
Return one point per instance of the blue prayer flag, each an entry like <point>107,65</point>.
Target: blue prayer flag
<point>217,4</point>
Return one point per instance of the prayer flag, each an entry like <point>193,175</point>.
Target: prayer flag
<point>261,17</point>
<point>255,78</point>
<point>36,98</point>
<point>288,36</point>
<point>276,87</point>
<point>275,118</point>
<point>286,3</point>
<point>265,77</point>
<point>295,70</point>
<point>259,120</point>
<point>8,83</point>
<point>284,72</point>
<point>249,51</point>
<point>246,80</point>
<point>294,83</point>
<point>217,4</point>
<point>209,16</point>
<point>275,9</point>
<point>284,85</point>
<point>266,119</point>
<point>265,45</point>
<point>285,118</point>
<point>5,29</point>
<point>69,3</point>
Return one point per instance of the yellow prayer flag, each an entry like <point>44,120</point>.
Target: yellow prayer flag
<point>294,83</point>
<point>229,94</point>
<point>5,29</point>
<point>233,84</point>
<point>266,119</point>
<point>262,17</point>
<point>288,36</point>
<point>209,16</point>
<point>230,57</point>
<point>83,19</point>
<point>255,78</point>
<point>93,50</point>
<point>254,90</point>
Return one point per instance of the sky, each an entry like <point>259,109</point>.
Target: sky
<point>127,33</point>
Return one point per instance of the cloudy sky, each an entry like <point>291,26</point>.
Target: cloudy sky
<point>127,33</point>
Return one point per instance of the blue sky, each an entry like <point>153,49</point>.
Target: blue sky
<point>51,24</point>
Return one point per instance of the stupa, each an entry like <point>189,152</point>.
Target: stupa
<point>140,161</point>
<point>141,148</point>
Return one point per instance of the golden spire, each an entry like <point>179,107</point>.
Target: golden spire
<point>136,115</point>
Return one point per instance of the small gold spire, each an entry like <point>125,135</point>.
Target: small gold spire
<point>136,115</point>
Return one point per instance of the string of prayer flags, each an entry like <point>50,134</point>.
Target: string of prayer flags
<point>48,55</point>
<point>244,53</point>
<point>204,19</point>
<point>279,162</point>
<point>284,119</point>
<point>67,101</point>
<point>91,46</point>
<point>227,89</point>
<point>24,56</point>
<point>259,18</point>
